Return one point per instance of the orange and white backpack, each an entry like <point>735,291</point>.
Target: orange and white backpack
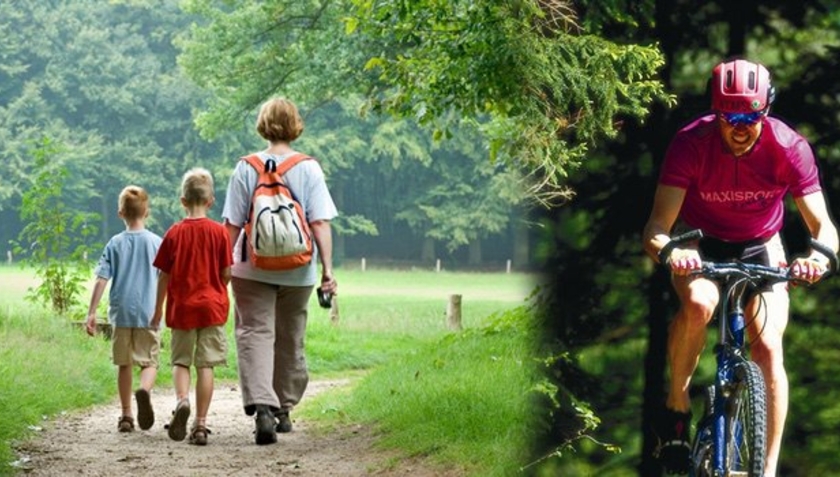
<point>277,235</point>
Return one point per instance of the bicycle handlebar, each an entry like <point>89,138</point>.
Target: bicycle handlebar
<point>678,240</point>
<point>750,271</point>
<point>697,234</point>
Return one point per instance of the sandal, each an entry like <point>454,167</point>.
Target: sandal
<point>177,428</point>
<point>125,424</point>
<point>198,436</point>
<point>145,412</point>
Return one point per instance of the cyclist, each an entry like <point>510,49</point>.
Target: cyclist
<point>727,173</point>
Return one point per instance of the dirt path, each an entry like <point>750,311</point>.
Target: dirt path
<point>88,444</point>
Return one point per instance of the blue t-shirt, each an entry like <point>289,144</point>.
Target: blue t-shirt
<point>127,262</point>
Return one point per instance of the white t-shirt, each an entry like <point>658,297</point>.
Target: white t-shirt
<point>306,180</point>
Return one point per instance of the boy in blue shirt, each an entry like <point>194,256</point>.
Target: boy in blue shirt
<point>127,263</point>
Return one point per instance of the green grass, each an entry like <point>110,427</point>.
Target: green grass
<point>391,328</point>
<point>462,400</point>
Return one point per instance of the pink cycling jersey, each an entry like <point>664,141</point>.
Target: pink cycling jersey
<point>738,198</point>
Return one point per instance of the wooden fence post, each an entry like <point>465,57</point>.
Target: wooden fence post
<point>453,313</point>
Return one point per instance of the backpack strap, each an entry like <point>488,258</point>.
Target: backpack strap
<point>256,163</point>
<point>270,166</point>
<point>291,162</point>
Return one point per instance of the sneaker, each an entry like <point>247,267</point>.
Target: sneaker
<point>198,436</point>
<point>284,422</point>
<point>145,413</point>
<point>265,425</point>
<point>125,424</point>
<point>674,448</point>
<point>178,424</point>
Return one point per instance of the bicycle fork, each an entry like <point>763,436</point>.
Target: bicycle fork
<point>728,355</point>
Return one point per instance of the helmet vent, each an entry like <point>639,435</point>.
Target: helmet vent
<point>729,77</point>
<point>751,80</point>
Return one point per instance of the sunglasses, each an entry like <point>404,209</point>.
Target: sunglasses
<point>747,119</point>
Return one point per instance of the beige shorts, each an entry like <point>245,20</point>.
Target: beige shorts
<point>135,346</point>
<point>200,347</point>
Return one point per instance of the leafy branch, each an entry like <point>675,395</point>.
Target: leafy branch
<point>53,238</point>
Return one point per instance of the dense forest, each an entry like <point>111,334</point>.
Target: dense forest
<point>102,81</point>
<point>473,130</point>
<point>613,307</point>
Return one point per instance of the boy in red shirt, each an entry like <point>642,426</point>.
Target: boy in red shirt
<point>194,261</point>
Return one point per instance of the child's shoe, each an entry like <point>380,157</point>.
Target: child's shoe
<point>145,413</point>
<point>198,435</point>
<point>125,424</point>
<point>177,427</point>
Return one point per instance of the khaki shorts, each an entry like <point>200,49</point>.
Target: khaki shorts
<point>135,346</point>
<point>200,347</point>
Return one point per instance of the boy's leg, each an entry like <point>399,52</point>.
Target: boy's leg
<point>183,344</point>
<point>121,355</point>
<point>181,380</point>
<point>146,354</point>
<point>203,395</point>
<point>124,377</point>
<point>210,351</point>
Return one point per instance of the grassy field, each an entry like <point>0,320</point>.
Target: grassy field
<point>390,322</point>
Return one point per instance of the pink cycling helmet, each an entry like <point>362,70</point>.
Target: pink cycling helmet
<point>741,86</point>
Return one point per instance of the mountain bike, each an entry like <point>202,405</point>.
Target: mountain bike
<point>731,433</point>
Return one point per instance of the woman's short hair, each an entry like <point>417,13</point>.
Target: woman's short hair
<point>197,186</point>
<point>133,203</point>
<point>279,120</point>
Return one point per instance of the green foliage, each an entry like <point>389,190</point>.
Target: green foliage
<point>53,240</point>
<point>549,92</point>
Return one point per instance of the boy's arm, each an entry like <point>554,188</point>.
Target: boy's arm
<point>163,283</point>
<point>98,290</point>
<point>225,275</point>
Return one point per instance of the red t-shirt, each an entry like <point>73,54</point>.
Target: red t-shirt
<point>738,198</point>
<point>194,252</point>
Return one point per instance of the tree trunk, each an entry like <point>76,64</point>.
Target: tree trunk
<point>521,245</point>
<point>654,373</point>
<point>475,252</point>
<point>427,254</point>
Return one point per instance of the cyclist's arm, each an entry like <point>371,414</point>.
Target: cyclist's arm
<point>814,212</point>
<point>666,207</point>
<point>667,203</point>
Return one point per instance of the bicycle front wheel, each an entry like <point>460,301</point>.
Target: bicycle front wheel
<point>746,422</point>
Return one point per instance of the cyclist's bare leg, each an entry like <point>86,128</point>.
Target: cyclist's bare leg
<point>687,335</point>
<point>766,351</point>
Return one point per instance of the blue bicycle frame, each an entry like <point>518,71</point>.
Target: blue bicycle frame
<point>729,353</point>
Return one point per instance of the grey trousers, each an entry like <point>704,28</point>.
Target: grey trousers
<point>270,333</point>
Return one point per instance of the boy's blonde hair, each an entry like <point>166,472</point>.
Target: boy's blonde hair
<point>279,120</point>
<point>133,203</point>
<point>197,186</point>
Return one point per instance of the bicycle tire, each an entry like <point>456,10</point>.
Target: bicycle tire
<point>747,421</point>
